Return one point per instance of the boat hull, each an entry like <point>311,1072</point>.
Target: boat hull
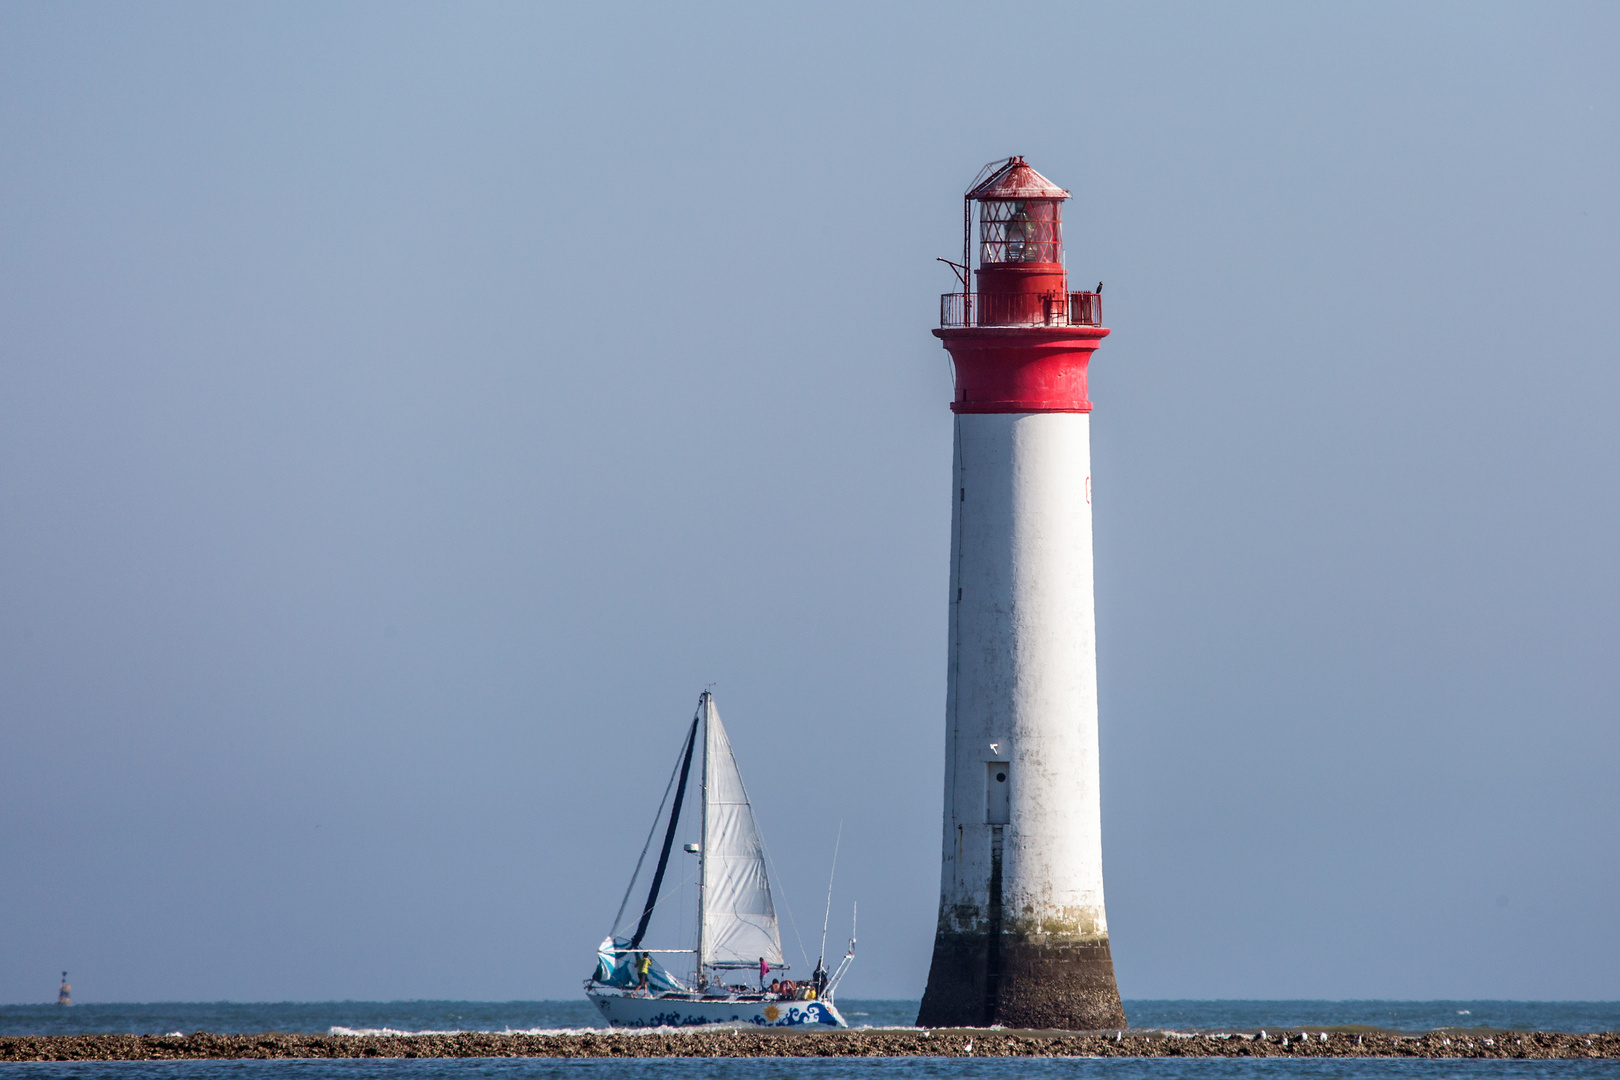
<point>624,1010</point>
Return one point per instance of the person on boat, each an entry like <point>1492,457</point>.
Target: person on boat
<point>818,979</point>
<point>764,970</point>
<point>776,986</point>
<point>643,968</point>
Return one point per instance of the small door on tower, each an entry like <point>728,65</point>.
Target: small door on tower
<point>997,789</point>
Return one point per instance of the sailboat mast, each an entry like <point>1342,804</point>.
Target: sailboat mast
<point>704,707</point>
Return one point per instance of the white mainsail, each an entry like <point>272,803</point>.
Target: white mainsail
<point>739,919</point>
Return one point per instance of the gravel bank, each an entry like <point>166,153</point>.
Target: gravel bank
<point>753,1043</point>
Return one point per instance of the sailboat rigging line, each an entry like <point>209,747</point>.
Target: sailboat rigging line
<point>663,898</point>
<point>827,915</point>
<point>669,838</point>
<point>652,831</point>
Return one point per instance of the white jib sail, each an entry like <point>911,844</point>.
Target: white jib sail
<point>739,920</point>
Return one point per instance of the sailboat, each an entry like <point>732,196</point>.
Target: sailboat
<point>737,938</point>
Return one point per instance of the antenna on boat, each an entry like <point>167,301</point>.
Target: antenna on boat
<point>849,956</point>
<point>827,915</point>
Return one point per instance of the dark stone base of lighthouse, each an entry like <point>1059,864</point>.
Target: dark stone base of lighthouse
<point>1021,981</point>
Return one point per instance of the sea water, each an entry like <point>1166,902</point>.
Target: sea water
<point>819,1069</point>
<point>370,1017</point>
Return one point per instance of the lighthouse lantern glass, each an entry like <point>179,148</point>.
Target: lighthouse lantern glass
<point>1020,231</point>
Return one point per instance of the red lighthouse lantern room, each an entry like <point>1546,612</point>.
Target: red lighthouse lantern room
<point>1022,341</point>
<point>1021,277</point>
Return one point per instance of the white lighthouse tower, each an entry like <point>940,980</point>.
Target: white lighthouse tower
<point>1022,938</point>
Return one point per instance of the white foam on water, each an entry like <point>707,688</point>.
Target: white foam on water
<point>383,1031</point>
<point>665,1029</point>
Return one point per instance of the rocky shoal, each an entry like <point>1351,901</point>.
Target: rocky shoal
<point>744,1042</point>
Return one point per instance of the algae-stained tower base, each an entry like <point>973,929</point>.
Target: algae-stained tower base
<point>1022,939</point>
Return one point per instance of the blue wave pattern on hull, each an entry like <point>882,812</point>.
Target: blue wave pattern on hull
<point>659,1012</point>
<point>789,1017</point>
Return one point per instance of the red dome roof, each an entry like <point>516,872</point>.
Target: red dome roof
<point>1014,179</point>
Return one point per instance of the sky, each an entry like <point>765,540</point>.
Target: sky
<point>406,410</point>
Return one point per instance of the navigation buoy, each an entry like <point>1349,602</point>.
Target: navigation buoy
<point>64,995</point>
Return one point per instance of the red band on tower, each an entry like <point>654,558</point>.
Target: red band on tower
<point>1021,369</point>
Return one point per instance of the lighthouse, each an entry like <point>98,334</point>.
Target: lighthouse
<point>1022,939</point>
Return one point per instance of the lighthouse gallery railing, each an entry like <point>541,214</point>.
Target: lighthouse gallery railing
<point>1020,309</point>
